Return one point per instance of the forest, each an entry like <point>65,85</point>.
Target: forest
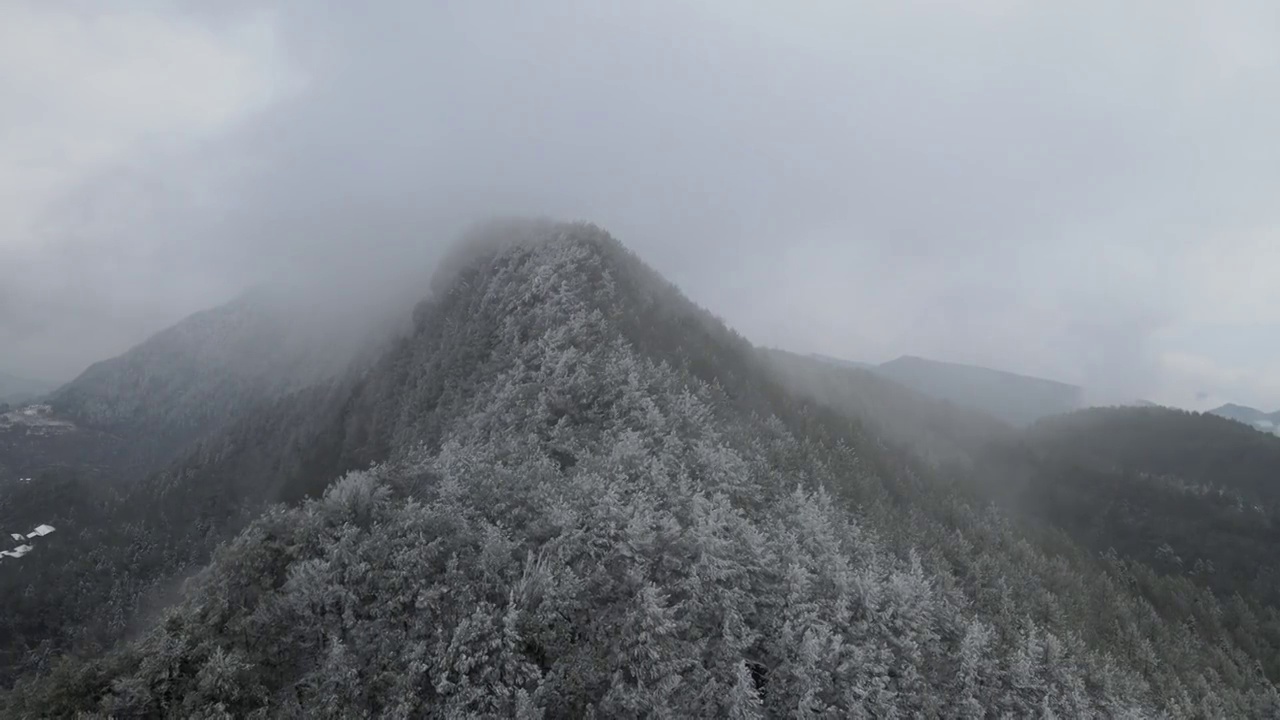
<point>565,490</point>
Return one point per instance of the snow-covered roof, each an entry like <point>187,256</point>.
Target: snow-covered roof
<point>41,530</point>
<point>17,536</point>
<point>16,552</point>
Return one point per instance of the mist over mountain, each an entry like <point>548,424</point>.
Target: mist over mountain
<point>934,429</point>
<point>455,360</point>
<point>15,390</point>
<point>1016,399</point>
<point>842,361</point>
<point>1013,398</point>
<point>210,368</point>
<point>1266,422</point>
<point>565,489</point>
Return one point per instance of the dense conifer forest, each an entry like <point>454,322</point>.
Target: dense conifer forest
<point>567,491</point>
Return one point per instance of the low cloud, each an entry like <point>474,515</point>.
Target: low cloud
<point>1081,191</point>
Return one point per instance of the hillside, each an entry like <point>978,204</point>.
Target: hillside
<point>129,416</point>
<point>34,443</point>
<point>85,462</point>
<point>1189,497</point>
<point>205,372</point>
<point>1013,398</point>
<point>569,492</point>
<point>936,431</point>
<point>1200,448</point>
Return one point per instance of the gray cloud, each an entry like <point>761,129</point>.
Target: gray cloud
<point>1078,191</point>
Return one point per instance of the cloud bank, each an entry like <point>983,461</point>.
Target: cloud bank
<point>1082,191</point>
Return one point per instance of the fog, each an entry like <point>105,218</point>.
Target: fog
<point>1079,191</point>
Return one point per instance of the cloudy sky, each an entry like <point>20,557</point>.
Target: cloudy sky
<point>1084,191</point>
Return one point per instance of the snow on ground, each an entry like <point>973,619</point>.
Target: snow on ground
<point>37,419</point>
<point>40,531</point>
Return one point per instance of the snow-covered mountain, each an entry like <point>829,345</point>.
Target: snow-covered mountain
<point>568,491</point>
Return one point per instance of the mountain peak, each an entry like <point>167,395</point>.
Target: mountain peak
<point>566,465</point>
<point>1266,422</point>
<point>1234,408</point>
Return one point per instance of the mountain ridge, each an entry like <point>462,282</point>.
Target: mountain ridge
<point>909,359</point>
<point>1011,397</point>
<point>1264,421</point>
<point>570,490</point>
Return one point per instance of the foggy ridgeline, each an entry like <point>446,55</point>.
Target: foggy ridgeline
<point>566,491</point>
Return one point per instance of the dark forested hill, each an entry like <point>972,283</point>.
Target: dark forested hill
<point>1198,448</point>
<point>1189,500</point>
<point>570,492</point>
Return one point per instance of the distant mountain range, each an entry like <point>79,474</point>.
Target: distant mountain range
<point>935,429</point>
<point>1018,399</point>
<point>1267,422</point>
<point>1013,398</point>
<point>15,389</point>
<point>1007,396</point>
<point>842,362</point>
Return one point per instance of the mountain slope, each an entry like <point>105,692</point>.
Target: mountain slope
<point>934,430</point>
<point>1190,498</point>
<point>34,444</point>
<point>1186,497</point>
<point>1016,399</point>
<point>207,371</point>
<point>84,462</point>
<point>132,415</point>
<point>592,497</point>
<point>1199,448</point>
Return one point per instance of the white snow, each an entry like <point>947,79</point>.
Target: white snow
<point>37,419</point>
<point>41,530</point>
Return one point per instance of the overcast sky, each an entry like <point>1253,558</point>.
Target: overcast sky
<point>1085,191</point>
